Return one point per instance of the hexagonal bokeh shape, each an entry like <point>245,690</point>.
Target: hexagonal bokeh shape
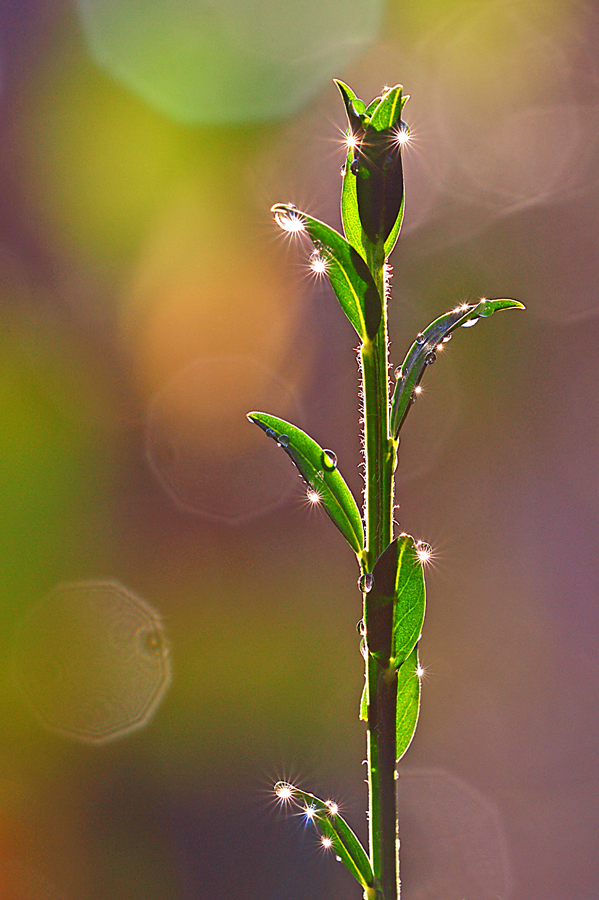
<point>227,61</point>
<point>92,661</point>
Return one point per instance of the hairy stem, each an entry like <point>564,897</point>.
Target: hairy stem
<point>381,684</point>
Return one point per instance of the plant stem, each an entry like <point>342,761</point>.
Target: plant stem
<point>381,683</point>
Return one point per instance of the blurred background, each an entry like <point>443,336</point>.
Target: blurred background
<point>177,625</point>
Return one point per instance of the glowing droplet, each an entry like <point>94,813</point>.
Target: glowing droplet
<point>283,790</point>
<point>326,843</point>
<point>398,373</point>
<point>470,323</point>
<point>338,859</point>
<point>283,440</point>
<point>289,221</point>
<point>420,339</point>
<point>355,166</point>
<point>366,582</point>
<point>329,460</point>
<point>418,390</point>
<point>447,338</point>
<point>342,171</point>
<point>430,358</point>
<point>309,813</point>
<point>333,808</point>
<point>402,134</point>
<point>318,264</point>
<point>351,140</point>
<point>423,551</point>
<point>485,308</point>
<point>420,671</point>
<point>313,496</point>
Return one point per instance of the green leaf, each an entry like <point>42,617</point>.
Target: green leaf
<point>348,273</point>
<point>318,469</point>
<point>395,605</point>
<point>354,116</point>
<point>388,111</point>
<point>325,816</point>
<point>424,349</point>
<point>408,702</point>
<point>350,216</point>
<point>364,705</point>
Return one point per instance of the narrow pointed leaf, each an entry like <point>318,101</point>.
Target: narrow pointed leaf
<point>395,606</point>
<point>348,273</point>
<point>354,118</point>
<point>318,469</point>
<point>425,346</point>
<point>408,702</point>
<point>350,216</point>
<point>388,111</point>
<point>364,705</point>
<point>332,825</point>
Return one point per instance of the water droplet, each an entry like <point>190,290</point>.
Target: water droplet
<point>424,551</point>
<point>338,859</point>
<point>271,433</point>
<point>363,649</point>
<point>366,582</point>
<point>470,323</point>
<point>430,358</point>
<point>447,338</point>
<point>413,398</point>
<point>329,460</point>
<point>485,308</point>
<point>342,171</point>
<point>355,166</point>
<point>283,440</point>
<point>398,373</point>
<point>361,628</point>
<point>420,339</point>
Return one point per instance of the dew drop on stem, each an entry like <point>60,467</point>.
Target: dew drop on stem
<point>366,582</point>
<point>430,358</point>
<point>283,440</point>
<point>420,339</point>
<point>470,323</point>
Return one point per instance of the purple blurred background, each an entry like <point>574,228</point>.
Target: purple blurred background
<point>147,302</point>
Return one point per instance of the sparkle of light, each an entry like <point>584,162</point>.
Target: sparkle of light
<point>424,554</point>
<point>418,389</point>
<point>420,671</point>
<point>463,307</point>
<point>402,136</point>
<point>309,812</point>
<point>290,222</point>
<point>326,843</point>
<point>333,808</point>
<point>352,141</point>
<point>318,265</point>
<point>284,791</point>
<point>313,496</point>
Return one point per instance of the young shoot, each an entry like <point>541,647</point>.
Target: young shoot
<point>390,568</point>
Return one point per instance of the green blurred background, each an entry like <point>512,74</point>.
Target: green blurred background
<point>147,301</point>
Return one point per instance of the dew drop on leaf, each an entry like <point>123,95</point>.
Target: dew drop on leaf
<point>329,460</point>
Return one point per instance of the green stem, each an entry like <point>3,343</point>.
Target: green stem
<point>381,684</point>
